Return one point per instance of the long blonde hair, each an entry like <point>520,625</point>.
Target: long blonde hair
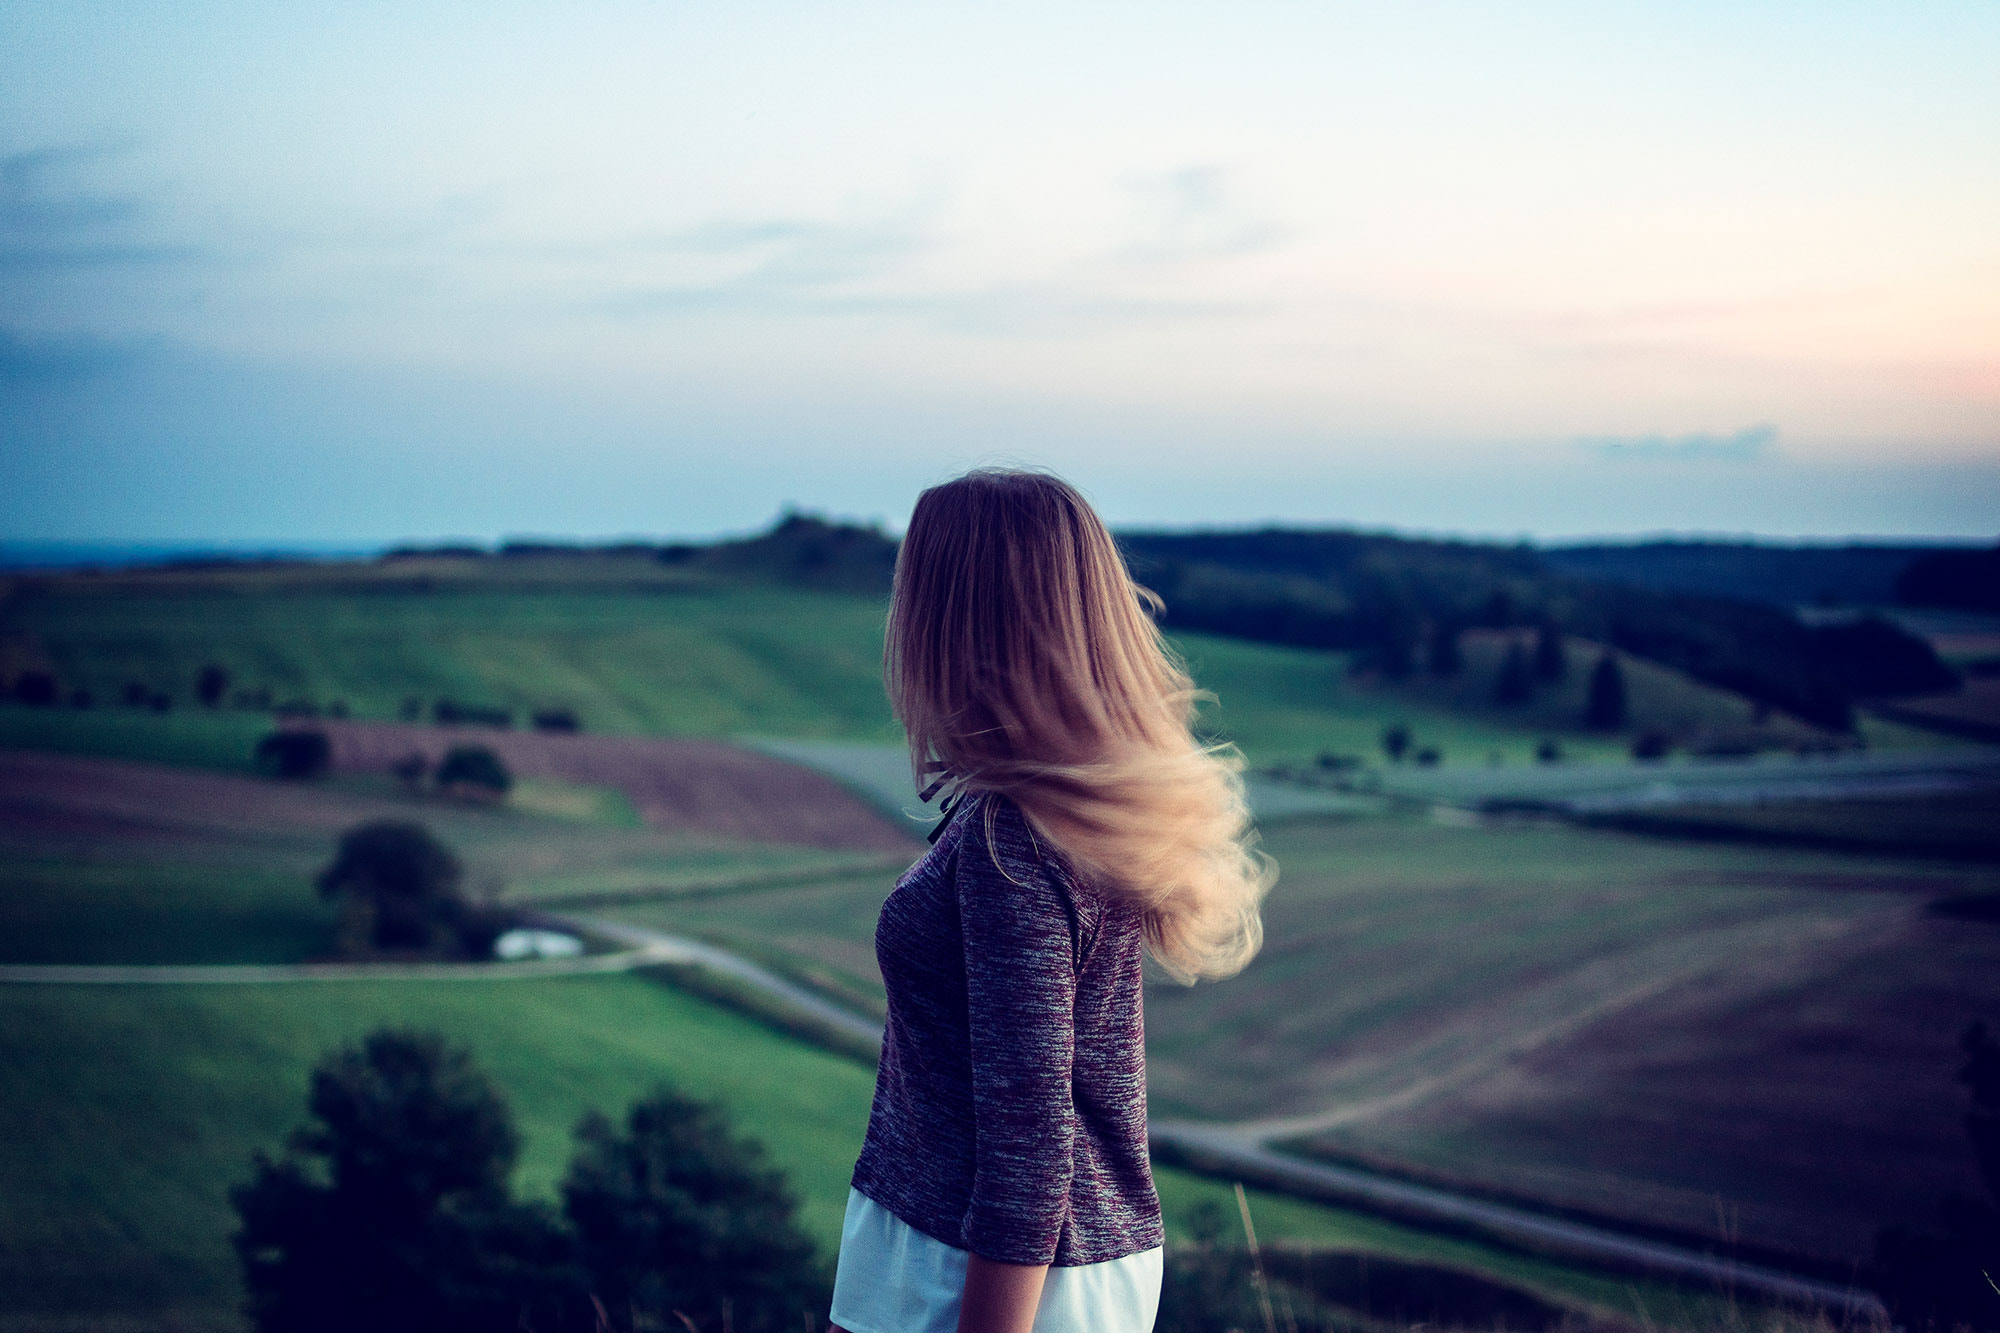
<point>1021,659</point>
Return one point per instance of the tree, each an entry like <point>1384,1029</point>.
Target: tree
<point>1551,654</point>
<point>1604,707</point>
<point>211,685</point>
<point>1443,656</point>
<point>674,1214</point>
<point>1947,1279</point>
<point>1395,742</point>
<point>295,754</point>
<point>399,888</point>
<point>1514,684</point>
<point>390,1210</point>
<point>474,770</point>
<point>37,689</point>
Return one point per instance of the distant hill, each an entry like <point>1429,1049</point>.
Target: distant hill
<point>1391,598</point>
<point>1852,574</point>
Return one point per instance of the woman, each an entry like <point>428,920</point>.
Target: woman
<point>1004,1184</point>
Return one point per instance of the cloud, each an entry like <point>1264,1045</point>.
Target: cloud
<point>1193,212</point>
<point>1742,446</point>
<point>53,217</point>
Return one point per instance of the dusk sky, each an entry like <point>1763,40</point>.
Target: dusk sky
<point>366,273</point>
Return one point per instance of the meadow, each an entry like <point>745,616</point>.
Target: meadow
<point>1722,1040</point>
<point>127,1111</point>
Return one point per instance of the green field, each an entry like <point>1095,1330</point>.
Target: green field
<point>127,1111</point>
<point>1656,1030</point>
<point>634,646</point>
<point>1424,985</point>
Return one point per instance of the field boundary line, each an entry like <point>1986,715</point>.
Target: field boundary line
<point>245,974</point>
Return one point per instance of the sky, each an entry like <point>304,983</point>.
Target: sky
<point>378,272</point>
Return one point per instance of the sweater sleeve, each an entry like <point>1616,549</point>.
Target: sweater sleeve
<point>1020,980</point>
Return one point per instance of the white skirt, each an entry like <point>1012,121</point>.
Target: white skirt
<point>894,1279</point>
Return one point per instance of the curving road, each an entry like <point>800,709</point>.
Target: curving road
<point>1243,1148</point>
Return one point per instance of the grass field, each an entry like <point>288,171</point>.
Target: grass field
<point>1659,1025</point>
<point>127,1113</point>
<point>636,647</point>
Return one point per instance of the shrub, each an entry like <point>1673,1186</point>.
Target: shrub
<point>390,1210</point>
<point>1651,746</point>
<point>474,770</point>
<point>1396,742</point>
<point>37,689</point>
<point>557,719</point>
<point>1604,707</point>
<point>399,892</point>
<point>1443,657</point>
<point>136,694</point>
<point>294,754</point>
<point>1548,752</point>
<point>1515,682</point>
<point>161,702</point>
<point>673,1213</point>
<point>1429,757</point>
<point>1551,655</point>
<point>211,684</point>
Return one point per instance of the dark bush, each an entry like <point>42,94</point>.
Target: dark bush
<point>1429,757</point>
<point>391,1209</point>
<point>673,1213</point>
<point>1443,657</point>
<point>37,689</point>
<point>1872,658</point>
<point>556,719</point>
<point>1396,742</point>
<point>399,893</point>
<point>1551,654</point>
<point>1604,707</point>
<point>136,694</point>
<point>1964,580</point>
<point>211,684</point>
<point>473,770</point>
<point>294,754</point>
<point>1514,684</point>
<point>161,702</point>
<point>1548,752</point>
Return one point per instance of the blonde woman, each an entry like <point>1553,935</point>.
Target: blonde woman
<point>1004,1184</point>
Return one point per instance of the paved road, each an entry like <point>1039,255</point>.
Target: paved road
<point>1241,1148</point>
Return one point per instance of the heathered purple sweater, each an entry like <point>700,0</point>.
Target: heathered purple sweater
<point>1010,1106</point>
